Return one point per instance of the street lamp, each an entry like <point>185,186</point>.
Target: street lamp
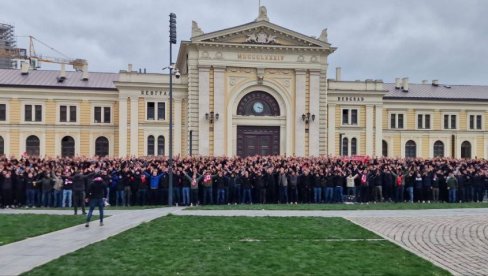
<point>172,40</point>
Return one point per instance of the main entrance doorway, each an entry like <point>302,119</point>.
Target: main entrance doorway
<point>258,140</point>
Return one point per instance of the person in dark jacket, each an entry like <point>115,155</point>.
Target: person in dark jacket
<point>96,194</point>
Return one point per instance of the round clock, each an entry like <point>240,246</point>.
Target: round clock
<point>258,107</point>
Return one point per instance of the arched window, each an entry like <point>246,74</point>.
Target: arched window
<point>466,149</point>
<point>354,146</point>
<point>67,146</point>
<point>410,149</point>
<point>258,103</point>
<point>101,146</point>
<point>32,145</point>
<point>150,145</point>
<point>438,149</point>
<point>345,143</point>
<point>2,146</point>
<point>384,148</point>
<point>160,145</point>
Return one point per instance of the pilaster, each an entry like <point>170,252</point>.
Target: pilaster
<point>122,126</point>
<point>300,89</point>
<point>203,107</point>
<point>219,108</point>
<point>313,130</point>
<point>134,125</point>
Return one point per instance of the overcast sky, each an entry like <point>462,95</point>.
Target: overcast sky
<point>379,39</point>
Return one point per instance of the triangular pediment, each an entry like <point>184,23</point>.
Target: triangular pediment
<point>261,33</point>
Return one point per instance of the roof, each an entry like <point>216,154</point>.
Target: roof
<point>440,92</point>
<point>49,78</point>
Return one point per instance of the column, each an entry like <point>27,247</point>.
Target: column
<point>177,135</point>
<point>300,91</point>
<point>379,129</point>
<point>313,130</point>
<point>331,145</point>
<point>219,125</point>
<point>134,125</point>
<point>203,107</point>
<point>122,126</point>
<point>369,130</point>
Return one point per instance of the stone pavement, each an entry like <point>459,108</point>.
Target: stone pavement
<point>22,256</point>
<point>457,243</point>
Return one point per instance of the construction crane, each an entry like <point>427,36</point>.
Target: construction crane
<point>34,58</point>
<point>78,64</point>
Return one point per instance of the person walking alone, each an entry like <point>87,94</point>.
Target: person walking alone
<point>96,194</point>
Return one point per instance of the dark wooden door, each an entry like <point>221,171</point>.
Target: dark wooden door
<point>258,140</point>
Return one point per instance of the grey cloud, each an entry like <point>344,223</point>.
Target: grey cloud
<point>380,39</point>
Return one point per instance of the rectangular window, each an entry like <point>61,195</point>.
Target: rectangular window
<point>102,114</point>
<point>72,114</point>
<point>423,121</point>
<point>28,113</point>
<point>67,113</point>
<point>396,120</point>
<point>106,114</point>
<point>450,121</point>
<point>3,112</point>
<point>98,114</point>
<point>354,116</point>
<point>345,116</point>
<point>150,111</point>
<point>38,109</point>
<point>38,113</point>
<point>350,117</point>
<point>33,113</point>
<point>161,111</point>
<point>63,114</point>
<point>475,122</point>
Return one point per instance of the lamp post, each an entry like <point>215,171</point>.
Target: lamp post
<point>172,40</point>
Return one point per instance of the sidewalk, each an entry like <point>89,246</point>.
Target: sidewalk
<point>22,256</point>
<point>338,213</point>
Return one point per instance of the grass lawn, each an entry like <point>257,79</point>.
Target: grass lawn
<point>21,226</point>
<point>370,206</point>
<point>185,245</point>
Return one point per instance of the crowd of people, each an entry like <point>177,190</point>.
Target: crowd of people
<point>63,182</point>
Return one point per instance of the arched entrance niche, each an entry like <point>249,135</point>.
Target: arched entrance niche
<point>259,113</point>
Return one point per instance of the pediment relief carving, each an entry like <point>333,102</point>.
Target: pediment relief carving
<point>261,36</point>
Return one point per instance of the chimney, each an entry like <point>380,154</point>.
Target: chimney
<point>338,73</point>
<point>397,83</point>
<point>435,83</point>
<point>24,68</point>
<point>84,75</point>
<point>405,84</point>
<point>129,68</point>
<point>425,82</point>
<point>62,73</point>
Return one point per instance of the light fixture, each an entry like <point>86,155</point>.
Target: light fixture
<point>211,117</point>
<point>307,118</point>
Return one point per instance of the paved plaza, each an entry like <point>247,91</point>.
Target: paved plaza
<point>455,239</point>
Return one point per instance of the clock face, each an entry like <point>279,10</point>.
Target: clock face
<point>258,107</point>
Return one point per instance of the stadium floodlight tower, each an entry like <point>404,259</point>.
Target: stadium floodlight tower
<point>172,40</point>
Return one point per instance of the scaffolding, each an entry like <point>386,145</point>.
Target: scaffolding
<point>8,46</point>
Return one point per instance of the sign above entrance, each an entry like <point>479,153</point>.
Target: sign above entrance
<point>350,99</point>
<point>265,57</point>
